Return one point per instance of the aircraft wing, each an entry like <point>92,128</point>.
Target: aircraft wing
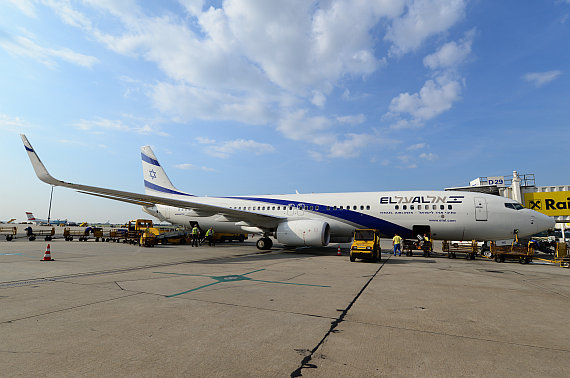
<point>230,215</point>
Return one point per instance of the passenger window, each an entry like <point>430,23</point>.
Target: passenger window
<point>361,207</point>
<point>449,207</point>
<point>316,208</point>
<point>441,207</point>
<point>328,207</point>
<point>404,207</point>
<point>353,207</point>
<point>334,208</point>
<point>434,207</point>
<point>397,207</point>
<point>341,207</point>
<point>411,207</point>
<point>367,207</point>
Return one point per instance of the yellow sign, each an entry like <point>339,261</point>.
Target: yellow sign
<point>553,204</point>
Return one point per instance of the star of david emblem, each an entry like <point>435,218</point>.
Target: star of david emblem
<point>152,174</point>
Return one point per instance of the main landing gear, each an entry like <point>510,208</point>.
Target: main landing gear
<point>264,243</point>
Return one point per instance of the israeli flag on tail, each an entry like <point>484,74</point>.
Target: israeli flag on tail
<point>156,182</point>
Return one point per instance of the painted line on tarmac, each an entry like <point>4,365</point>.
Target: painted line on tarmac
<point>305,362</point>
<point>230,278</point>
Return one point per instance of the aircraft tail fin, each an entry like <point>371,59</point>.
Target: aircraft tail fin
<point>155,179</point>
<point>30,216</point>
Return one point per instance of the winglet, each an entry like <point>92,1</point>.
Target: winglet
<point>39,167</point>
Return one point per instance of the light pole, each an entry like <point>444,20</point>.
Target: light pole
<point>49,210</point>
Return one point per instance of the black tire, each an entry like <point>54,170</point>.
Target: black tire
<point>241,238</point>
<point>32,238</point>
<point>352,258</point>
<point>497,258</point>
<point>522,260</point>
<point>8,237</point>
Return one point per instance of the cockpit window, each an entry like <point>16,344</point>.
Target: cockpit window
<point>514,206</point>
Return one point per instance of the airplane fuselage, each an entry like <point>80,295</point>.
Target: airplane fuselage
<point>443,214</point>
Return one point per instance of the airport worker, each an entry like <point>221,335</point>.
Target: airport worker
<point>396,242</point>
<point>195,236</point>
<point>210,237</point>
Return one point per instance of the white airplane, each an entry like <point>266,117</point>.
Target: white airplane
<point>35,220</point>
<point>319,219</point>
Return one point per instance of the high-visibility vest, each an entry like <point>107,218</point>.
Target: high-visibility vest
<point>195,231</point>
<point>209,232</point>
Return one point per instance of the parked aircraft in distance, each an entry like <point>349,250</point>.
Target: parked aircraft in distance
<point>35,220</point>
<point>8,222</point>
<point>321,218</point>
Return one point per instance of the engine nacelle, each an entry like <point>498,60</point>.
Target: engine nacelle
<point>304,233</point>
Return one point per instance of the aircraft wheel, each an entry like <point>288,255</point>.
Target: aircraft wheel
<point>8,237</point>
<point>241,238</point>
<point>264,243</point>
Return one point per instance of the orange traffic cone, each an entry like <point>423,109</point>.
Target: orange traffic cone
<point>47,255</point>
<point>338,252</point>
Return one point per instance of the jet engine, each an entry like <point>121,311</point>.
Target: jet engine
<point>303,233</point>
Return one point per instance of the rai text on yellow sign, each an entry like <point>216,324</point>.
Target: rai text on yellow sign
<point>553,204</point>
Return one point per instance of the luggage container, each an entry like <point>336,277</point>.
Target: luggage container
<point>9,232</point>
<point>409,245</point>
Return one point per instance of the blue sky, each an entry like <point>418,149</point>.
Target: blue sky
<point>263,97</point>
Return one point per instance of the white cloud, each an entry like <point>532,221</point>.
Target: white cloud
<point>352,119</point>
<point>351,146</point>
<point>423,19</point>
<point>25,6</point>
<point>188,166</point>
<point>428,156</point>
<point>227,148</point>
<point>12,124</point>
<point>298,126</point>
<point>450,55</point>
<point>417,146</point>
<point>99,125</point>
<point>25,47</point>
<point>541,78</point>
<point>435,97</point>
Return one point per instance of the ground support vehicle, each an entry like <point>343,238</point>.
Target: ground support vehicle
<point>522,253</point>
<point>116,235</point>
<point>143,232</point>
<point>174,237</point>
<point>453,248</point>
<point>409,245</point>
<point>222,237</point>
<point>82,235</point>
<point>33,234</point>
<point>562,257</point>
<point>9,232</point>
<point>366,245</point>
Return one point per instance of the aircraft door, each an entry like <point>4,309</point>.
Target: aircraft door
<point>480,209</point>
<point>291,209</point>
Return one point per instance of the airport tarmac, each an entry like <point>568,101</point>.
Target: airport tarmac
<point>109,309</point>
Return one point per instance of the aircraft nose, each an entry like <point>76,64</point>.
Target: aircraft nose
<point>544,222</point>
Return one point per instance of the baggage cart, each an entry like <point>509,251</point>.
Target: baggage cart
<point>32,234</point>
<point>522,253</point>
<point>9,232</point>
<point>409,245</point>
<point>82,235</point>
<point>453,248</point>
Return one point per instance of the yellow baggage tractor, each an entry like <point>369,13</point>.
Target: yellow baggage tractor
<point>366,245</point>
<point>515,251</point>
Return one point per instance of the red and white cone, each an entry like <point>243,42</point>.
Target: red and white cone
<point>338,252</point>
<point>47,255</point>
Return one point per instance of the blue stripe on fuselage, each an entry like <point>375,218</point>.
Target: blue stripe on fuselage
<point>158,188</point>
<point>366,221</point>
<point>149,160</point>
